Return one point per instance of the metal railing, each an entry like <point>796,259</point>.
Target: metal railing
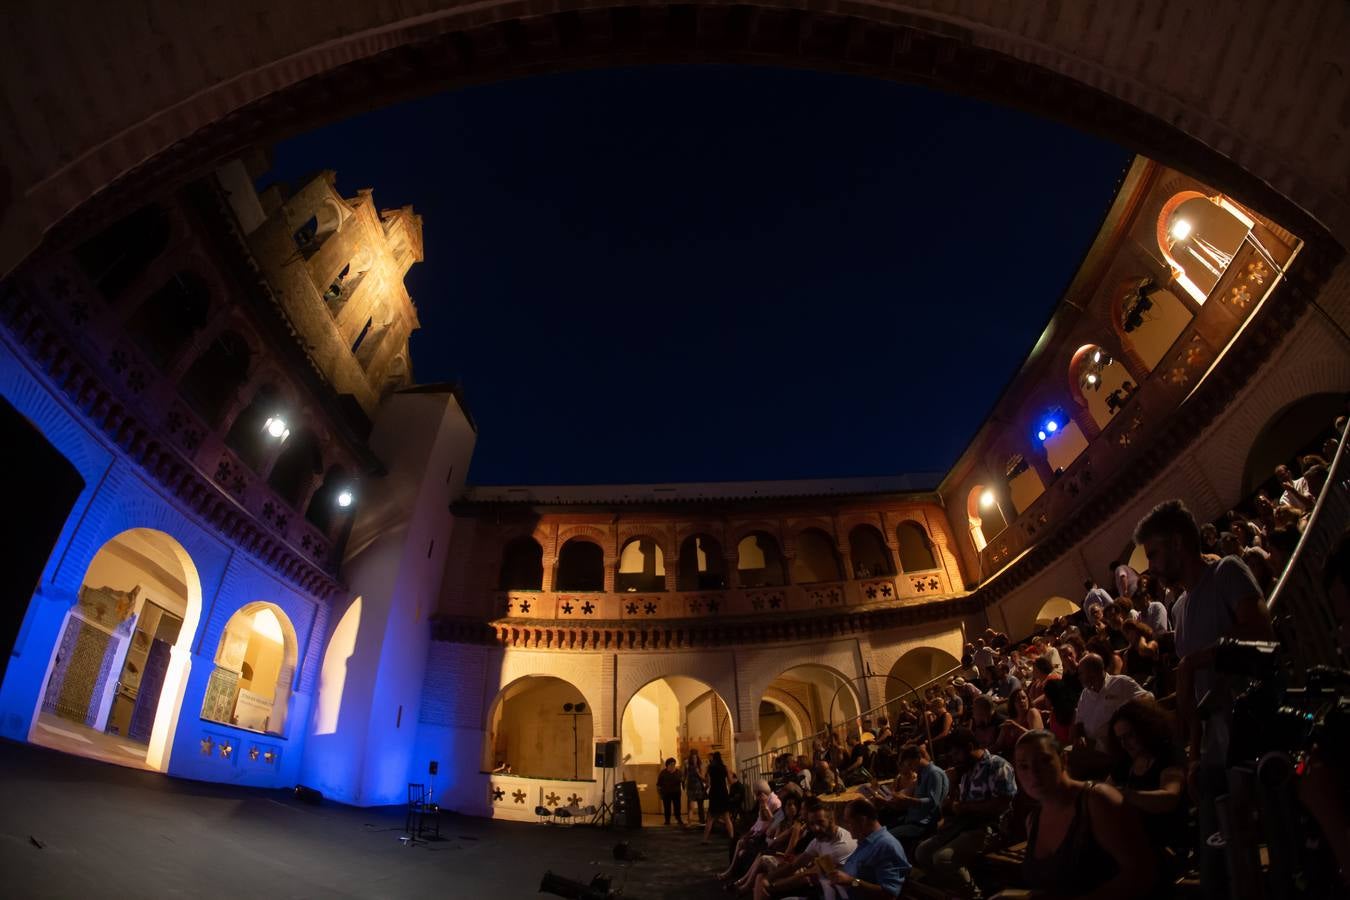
<point>754,767</point>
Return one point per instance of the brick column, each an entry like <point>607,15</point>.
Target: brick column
<point>733,573</point>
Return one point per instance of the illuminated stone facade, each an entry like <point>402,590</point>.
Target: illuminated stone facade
<point>155,354</point>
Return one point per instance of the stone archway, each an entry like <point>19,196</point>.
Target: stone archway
<point>120,666</point>
<point>83,133</point>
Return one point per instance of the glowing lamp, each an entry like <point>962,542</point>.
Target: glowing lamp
<point>1091,379</point>
<point>1041,434</point>
<point>276,427</point>
<point>345,498</point>
<point>1181,229</point>
<point>1052,426</point>
<point>1096,356</point>
<point>987,499</point>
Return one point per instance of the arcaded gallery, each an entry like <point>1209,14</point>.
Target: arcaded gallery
<point>676,451</point>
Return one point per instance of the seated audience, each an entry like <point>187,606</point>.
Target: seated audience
<point>877,867</point>
<point>920,801</point>
<point>828,840</point>
<point>1022,717</point>
<point>986,723</point>
<point>986,789</point>
<point>1102,695</point>
<point>783,848</point>
<point>1141,656</point>
<point>1082,840</point>
<point>1150,774</point>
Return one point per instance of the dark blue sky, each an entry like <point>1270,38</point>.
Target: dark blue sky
<point>709,273</point>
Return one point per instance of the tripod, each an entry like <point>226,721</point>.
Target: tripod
<point>604,814</point>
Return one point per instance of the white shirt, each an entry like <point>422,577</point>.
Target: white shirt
<point>838,847</point>
<point>1095,708</point>
<point>984,658</point>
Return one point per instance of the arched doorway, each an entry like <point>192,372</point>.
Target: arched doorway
<point>1054,608</point>
<point>915,668</point>
<point>118,672</point>
<point>1295,431</point>
<point>255,668</point>
<point>669,717</point>
<point>541,727</point>
<point>811,696</point>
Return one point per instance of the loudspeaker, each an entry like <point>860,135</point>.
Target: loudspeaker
<point>308,795</point>
<point>607,754</point>
<point>627,807</point>
<point>434,767</point>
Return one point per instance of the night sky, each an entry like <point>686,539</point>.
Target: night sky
<point>714,273</point>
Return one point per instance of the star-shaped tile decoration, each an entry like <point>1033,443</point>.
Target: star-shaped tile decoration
<point>253,754</point>
<point>757,602</point>
<point>518,796</point>
<point>207,745</point>
<point>919,586</point>
<point>695,605</point>
<point>775,601</point>
<point>509,604</point>
<point>588,607</point>
<point>225,750</point>
<point>885,590</point>
<point>551,799</point>
<point>934,584</point>
<point>574,800</point>
<point>269,756</point>
<point>1257,272</point>
<point>631,607</point>
<point>712,604</point>
<point>497,793</point>
<point>567,608</point>
<point>524,606</point>
<point>649,608</point>
<point>871,592</point>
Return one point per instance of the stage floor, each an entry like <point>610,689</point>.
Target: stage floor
<point>110,831</point>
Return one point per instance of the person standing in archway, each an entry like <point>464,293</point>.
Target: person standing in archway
<point>695,785</point>
<point>719,798</point>
<point>668,786</point>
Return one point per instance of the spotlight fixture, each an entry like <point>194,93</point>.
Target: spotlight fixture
<point>1137,305</point>
<point>987,499</point>
<point>1181,229</point>
<point>276,427</point>
<point>1091,378</point>
<point>1096,357</point>
<point>1054,420</point>
<point>345,498</point>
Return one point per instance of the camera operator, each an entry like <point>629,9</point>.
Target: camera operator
<point>1215,600</point>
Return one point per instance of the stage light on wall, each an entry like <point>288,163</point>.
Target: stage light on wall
<point>1096,357</point>
<point>276,427</point>
<point>345,498</point>
<point>1050,426</point>
<point>1091,378</point>
<point>1181,229</point>
<point>987,499</point>
<point>574,707</point>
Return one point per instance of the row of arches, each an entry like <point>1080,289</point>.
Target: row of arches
<point>219,367</point>
<point>119,667</point>
<point>1197,236</point>
<point>758,560</point>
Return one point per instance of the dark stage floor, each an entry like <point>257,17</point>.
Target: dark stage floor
<point>114,832</point>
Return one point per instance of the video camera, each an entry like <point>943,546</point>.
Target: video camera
<point>1277,723</point>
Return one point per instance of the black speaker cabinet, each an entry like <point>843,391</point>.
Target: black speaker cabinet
<point>606,754</point>
<point>627,806</point>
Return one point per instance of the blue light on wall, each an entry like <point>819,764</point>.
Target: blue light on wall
<point>1050,425</point>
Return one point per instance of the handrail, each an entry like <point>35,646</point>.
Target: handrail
<point>756,762</point>
<point>1300,611</point>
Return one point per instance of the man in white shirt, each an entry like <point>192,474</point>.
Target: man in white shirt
<point>1095,596</point>
<point>1102,695</point>
<point>1296,494</point>
<point>828,841</point>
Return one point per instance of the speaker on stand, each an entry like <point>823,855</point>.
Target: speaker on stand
<point>606,758</point>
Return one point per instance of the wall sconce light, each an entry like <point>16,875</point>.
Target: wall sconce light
<point>345,498</point>
<point>276,427</point>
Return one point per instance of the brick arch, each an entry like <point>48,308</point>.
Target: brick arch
<point>815,523</point>
<point>589,533</point>
<point>636,671</point>
<point>660,539</point>
<point>714,530</point>
<point>1063,63</point>
<point>744,530</point>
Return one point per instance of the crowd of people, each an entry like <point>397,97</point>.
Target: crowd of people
<point>1084,741</point>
